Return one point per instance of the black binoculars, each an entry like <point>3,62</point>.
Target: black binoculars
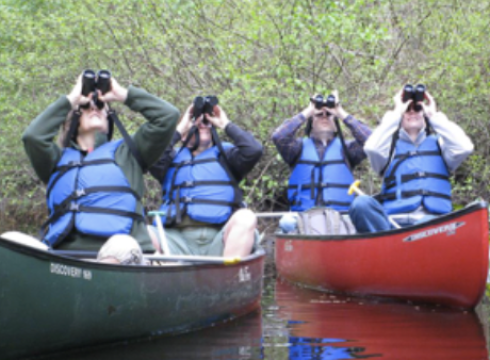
<point>416,94</point>
<point>321,101</point>
<point>92,82</point>
<point>204,105</point>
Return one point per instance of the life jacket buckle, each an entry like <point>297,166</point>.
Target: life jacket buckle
<point>80,192</point>
<point>412,153</point>
<point>74,207</point>
<point>187,199</point>
<point>421,174</point>
<point>188,183</point>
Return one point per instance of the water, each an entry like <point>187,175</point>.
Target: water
<point>296,323</point>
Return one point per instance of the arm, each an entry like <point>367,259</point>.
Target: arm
<point>43,153</point>
<point>247,150</point>
<point>246,153</point>
<point>456,146</point>
<point>358,129</point>
<point>153,137</point>
<point>159,169</point>
<point>378,145</point>
<point>287,143</point>
<point>361,133</point>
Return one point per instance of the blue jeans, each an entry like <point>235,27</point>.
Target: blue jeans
<point>368,215</point>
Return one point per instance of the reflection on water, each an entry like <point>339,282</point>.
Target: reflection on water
<point>296,323</point>
<point>239,339</point>
<point>323,326</point>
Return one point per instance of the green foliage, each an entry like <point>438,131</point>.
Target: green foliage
<point>262,58</point>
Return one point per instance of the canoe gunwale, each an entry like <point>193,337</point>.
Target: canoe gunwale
<point>473,207</point>
<point>178,266</point>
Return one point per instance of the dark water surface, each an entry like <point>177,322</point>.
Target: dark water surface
<point>296,323</point>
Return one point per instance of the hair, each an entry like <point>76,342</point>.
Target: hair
<point>123,248</point>
<point>64,128</point>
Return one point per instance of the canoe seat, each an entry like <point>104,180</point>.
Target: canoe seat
<point>24,239</point>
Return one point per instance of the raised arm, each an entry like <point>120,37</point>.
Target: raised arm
<point>456,146</point>
<point>38,138</point>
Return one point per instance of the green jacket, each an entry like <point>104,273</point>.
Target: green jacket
<point>151,139</point>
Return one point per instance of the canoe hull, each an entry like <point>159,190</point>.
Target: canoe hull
<point>443,261</point>
<point>50,303</point>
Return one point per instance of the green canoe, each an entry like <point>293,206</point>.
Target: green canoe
<point>50,302</point>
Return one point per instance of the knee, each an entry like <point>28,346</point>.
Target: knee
<point>361,203</point>
<point>245,218</point>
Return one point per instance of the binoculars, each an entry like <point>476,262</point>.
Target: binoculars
<point>416,94</point>
<point>321,101</point>
<point>92,82</point>
<point>204,105</point>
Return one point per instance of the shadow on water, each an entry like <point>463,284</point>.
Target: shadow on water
<point>297,323</point>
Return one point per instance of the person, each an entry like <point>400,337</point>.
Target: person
<point>94,185</point>
<point>414,150</point>
<point>321,162</point>
<point>122,250</point>
<point>201,198</point>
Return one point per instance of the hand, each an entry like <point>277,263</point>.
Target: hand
<point>185,123</point>
<point>219,119</point>
<point>75,97</point>
<point>337,111</point>
<point>400,106</point>
<point>430,108</point>
<point>309,111</point>
<point>116,93</point>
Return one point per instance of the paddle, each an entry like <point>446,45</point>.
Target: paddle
<point>80,254</point>
<point>161,232</point>
<point>188,258</point>
<point>355,188</point>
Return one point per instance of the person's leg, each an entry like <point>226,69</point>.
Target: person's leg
<point>368,215</point>
<point>239,233</point>
<point>176,242</point>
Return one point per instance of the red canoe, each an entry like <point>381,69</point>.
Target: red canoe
<point>443,261</point>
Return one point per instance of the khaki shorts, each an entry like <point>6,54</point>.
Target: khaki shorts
<point>199,241</point>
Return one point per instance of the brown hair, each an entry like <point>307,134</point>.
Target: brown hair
<point>64,128</point>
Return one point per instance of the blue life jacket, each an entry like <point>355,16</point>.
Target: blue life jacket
<point>200,187</point>
<point>90,194</point>
<point>416,176</point>
<point>315,182</point>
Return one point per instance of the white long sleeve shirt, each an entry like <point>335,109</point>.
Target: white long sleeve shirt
<point>455,145</point>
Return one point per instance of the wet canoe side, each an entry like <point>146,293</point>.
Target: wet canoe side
<point>443,261</point>
<point>50,302</point>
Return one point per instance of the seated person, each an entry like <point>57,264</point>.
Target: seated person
<point>414,149</point>
<point>321,162</point>
<point>95,185</point>
<point>201,198</point>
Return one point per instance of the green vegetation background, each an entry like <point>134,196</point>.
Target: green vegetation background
<point>262,58</point>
